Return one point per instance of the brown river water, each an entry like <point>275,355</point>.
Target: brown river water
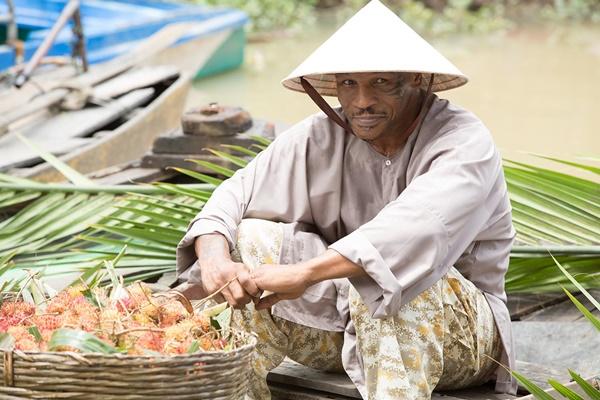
<point>536,88</point>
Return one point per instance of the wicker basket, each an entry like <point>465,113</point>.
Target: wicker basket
<point>205,375</point>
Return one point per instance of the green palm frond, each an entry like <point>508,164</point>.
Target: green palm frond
<point>539,274</point>
<point>558,213</point>
<point>551,207</point>
<point>551,211</point>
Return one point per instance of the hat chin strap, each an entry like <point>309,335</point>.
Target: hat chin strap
<point>326,108</point>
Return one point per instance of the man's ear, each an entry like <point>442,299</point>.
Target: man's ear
<point>417,80</point>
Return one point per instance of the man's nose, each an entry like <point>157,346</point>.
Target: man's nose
<point>365,98</point>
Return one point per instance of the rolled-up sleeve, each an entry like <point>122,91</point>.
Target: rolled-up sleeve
<point>272,186</point>
<point>221,214</point>
<point>413,241</point>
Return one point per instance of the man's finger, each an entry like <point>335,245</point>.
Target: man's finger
<point>268,302</point>
<point>218,298</point>
<point>228,297</point>
<point>239,295</point>
<point>248,284</point>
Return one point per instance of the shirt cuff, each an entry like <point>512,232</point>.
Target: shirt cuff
<point>380,290</point>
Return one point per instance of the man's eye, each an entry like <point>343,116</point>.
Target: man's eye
<point>381,81</point>
<point>347,82</point>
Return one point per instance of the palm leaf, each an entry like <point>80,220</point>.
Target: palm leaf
<point>7,342</point>
<point>591,317</point>
<point>552,210</point>
<point>72,175</point>
<point>534,389</point>
<point>261,140</point>
<point>199,176</point>
<point>80,340</point>
<point>240,162</point>
<point>577,285</point>
<point>590,168</point>
<point>240,149</point>
<point>564,391</point>
<point>591,391</point>
<point>214,167</point>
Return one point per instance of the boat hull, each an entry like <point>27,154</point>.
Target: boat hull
<point>113,27</point>
<point>127,142</point>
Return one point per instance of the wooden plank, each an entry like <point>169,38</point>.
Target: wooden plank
<point>441,396</point>
<point>28,159</point>
<point>59,132</point>
<point>286,392</point>
<point>294,374</point>
<point>176,142</point>
<point>133,175</point>
<point>558,345</point>
<point>485,392</point>
<point>136,79</point>
<point>299,379</point>
<point>164,161</point>
<point>539,374</point>
<point>43,80</point>
<point>520,305</point>
<point>564,311</point>
<point>127,141</point>
<point>179,143</point>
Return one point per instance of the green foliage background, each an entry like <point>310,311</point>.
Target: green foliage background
<point>471,16</point>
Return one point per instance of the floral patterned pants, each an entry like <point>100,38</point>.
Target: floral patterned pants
<point>444,339</point>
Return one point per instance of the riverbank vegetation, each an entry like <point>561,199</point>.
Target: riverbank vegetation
<point>429,17</point>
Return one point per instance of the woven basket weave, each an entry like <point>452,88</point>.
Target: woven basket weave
<point>205,375</point>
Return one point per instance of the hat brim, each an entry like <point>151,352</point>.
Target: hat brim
<point>326,85</point>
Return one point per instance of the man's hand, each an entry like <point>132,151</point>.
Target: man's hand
<point>241,289</point>
<point>216,269</point>
<point>284,281</point>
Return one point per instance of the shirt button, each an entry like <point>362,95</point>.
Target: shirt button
<point>388,162</point>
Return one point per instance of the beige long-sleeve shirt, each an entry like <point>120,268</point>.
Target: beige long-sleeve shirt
<point>440,201</point>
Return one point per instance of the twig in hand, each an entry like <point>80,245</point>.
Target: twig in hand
<point>180,297</point>
<point>204,300</point>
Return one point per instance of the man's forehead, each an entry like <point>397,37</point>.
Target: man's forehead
<point>366,75</point>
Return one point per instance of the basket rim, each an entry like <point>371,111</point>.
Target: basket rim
<point>252,340</point>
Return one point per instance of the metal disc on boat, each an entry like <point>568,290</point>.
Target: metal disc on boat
<point>215,120</point>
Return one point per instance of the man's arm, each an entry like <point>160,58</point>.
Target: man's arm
<point>272,187</point>
<point>290,281</point>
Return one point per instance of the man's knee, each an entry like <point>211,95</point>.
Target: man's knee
<point>258,241</point>
<point>253,228</point>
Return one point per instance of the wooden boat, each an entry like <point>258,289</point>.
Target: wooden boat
<point>114,27</point>
<point>104,117</point>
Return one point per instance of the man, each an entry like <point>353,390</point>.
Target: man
<point>379,231</point>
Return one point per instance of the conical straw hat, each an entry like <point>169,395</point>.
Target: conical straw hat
<point>374,40</point>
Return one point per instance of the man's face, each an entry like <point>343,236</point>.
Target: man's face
<point>378,104</point>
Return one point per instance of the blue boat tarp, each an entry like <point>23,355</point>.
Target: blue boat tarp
<point>111,27</point>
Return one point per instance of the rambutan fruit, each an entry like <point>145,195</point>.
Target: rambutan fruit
<point>24,340</point>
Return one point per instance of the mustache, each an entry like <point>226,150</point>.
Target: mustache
<point>366,112</point>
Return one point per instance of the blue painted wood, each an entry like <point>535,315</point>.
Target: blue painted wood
<point>112,27</point>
